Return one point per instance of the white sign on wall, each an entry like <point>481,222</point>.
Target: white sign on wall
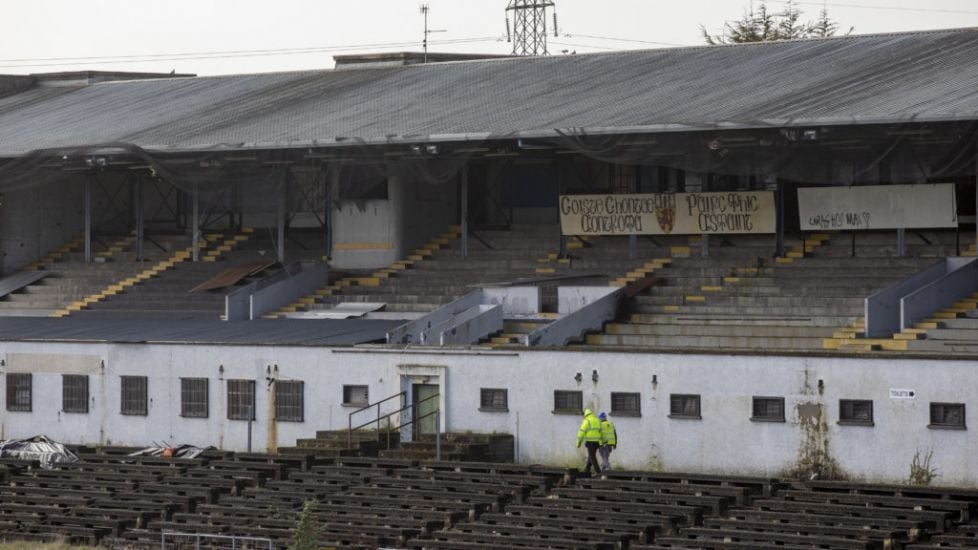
<point>877,207</point>
<point>668,213</point>
<point>898,393</point>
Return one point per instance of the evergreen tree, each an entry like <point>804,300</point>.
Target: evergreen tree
<point>761,25</point>
<point>307,531</point>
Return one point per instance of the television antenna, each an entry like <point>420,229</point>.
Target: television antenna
<point>425,8</point>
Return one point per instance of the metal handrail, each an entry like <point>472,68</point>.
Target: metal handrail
<point>349,417</point>
<point>199,536</point>
<point>390,414</point>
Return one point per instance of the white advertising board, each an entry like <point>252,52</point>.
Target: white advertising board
<point>877,207</point>
<point>668,213</point>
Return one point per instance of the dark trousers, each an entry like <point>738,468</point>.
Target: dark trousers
<point>592,459</point>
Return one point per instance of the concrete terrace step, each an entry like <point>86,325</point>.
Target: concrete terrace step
<point>720,298</point>
<point>765,311</point>
<point>707,342</point>
<point>793,320</point>
<point>718,330</point>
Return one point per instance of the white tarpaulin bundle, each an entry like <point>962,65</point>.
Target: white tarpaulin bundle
<point>38,448</point>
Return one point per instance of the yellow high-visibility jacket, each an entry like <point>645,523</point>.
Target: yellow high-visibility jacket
<point>590,429</point>
<point>609,435</point>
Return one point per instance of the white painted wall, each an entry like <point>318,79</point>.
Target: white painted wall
<point>724,441</point>
<point>415,212</point>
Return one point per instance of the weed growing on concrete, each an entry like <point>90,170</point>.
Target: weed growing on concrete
<point>307,531</point>
<point>921,472</point>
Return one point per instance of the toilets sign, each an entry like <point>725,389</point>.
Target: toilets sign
<point>668,213</point>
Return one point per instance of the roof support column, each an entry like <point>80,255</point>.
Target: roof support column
<point>779,219</point>
<point>464,210</point>
<point>976,193</point>
<point>195,224</point>
<point>901,242</point>
<point>632,247</point>
<point>88,219</point>
<point>280,221</point>
<point>137,182</point>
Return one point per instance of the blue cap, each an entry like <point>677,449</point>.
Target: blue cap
<point>602,416</point>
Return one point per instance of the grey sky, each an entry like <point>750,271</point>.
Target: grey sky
<point>38,29</point>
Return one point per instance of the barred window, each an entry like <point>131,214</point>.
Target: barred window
<point>626,404</point>
<point>567,402</point>
<point>684,406</point>
<point>493,400</point>
<point>241,399</point>
<point>856,412</point>
<point>947,415</point>
<point>134,395</point>
<point>768,409</point>
<point>74,393</point>
<point>19,392</point>
<point>289,400</point>
<point>194,402</point>
<point>356,395</point>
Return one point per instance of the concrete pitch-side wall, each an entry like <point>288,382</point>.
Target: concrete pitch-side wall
<point>36,221</point>
<point>725,440</point>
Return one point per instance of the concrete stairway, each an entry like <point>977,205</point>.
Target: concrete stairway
<point>736,299</point>
<point>335,443</point>
<point>950,331</point>
<point>72,279</point>
<point>436,273</point>
<point>168,295</point>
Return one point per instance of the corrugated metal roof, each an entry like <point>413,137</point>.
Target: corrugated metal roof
<point>305,332</point>
<point>924,76</point>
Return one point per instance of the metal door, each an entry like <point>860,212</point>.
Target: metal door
<point>424,404</point>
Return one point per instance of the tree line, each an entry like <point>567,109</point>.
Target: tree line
<point>761,24</point>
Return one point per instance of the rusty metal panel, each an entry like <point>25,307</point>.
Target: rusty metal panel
<point>232,275</point>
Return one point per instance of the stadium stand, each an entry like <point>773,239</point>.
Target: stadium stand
<point>740,298</point>
<point>110,498</point>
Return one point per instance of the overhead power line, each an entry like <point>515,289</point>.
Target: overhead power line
<point>583,45</point>
<point>612,39</point>
<point>891,8</point>
<point>222,54</point>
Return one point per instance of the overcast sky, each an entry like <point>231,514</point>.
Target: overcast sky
<point>57,35</point>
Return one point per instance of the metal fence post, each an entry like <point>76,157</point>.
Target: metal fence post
<point>438,435</point>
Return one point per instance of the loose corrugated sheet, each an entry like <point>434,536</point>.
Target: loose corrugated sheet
<point>312,332</point>
<point>922,76</point>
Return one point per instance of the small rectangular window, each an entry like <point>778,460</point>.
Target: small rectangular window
<point>626,404</point>
<point>134,395</point>
<point>74,393</point>
<point>356,395</point>
<point>493,399</point>
<point>241,399</point>
<point>19,392</point>
<point>947,416</point>
<point>568,402</point>
<point>768,409</point>
<point>684,406</point>
<point>289,400</point>
<point>856,412</point>
<point>194,402</point>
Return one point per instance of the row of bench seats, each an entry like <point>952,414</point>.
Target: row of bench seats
<point>374,502</point>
